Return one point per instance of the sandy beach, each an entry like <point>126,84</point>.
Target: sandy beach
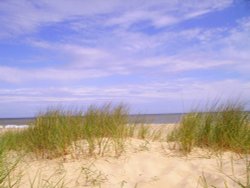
<point>143,164</point>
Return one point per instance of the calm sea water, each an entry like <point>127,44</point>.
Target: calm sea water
<point>145,118</point>
<point>156,118</point>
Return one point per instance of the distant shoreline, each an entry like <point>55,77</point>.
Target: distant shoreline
<point>145,118</point>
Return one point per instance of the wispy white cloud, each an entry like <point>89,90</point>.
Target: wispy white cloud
<point>157,19</point>
<point>27,16</point>
<point>178,95</point>
<point>164,16</point>
<point>18,75</point>
<point>136,53</point>
<point>118,42</point>
<point>187,89</point>
<point>80,56</point>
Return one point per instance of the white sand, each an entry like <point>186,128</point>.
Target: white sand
<point>144,164</point>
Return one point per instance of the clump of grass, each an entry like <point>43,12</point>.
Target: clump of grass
<point>49,135</point>
<point>104,126</point>
<point>55,130</point>
<point>13,140</point>
<point>7,167</point>
<point>143,131</point>
<point>220,127</point>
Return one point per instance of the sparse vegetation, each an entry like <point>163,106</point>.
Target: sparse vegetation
<point>221,127</point>
<point>54,181</point>
<point>92,176</point>
<point>104,130</point>
<point>3,172</point>
<point>143,132</point>
<point>7,167</point>
<point>240,180</point>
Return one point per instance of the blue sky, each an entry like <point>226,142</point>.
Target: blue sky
<point>157,56</point>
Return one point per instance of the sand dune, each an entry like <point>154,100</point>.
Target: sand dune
<point>145,164</point>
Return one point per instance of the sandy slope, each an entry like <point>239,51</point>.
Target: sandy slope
<point>143,165</point>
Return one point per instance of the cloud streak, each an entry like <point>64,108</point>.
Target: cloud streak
<point>84,62</point>
<point>139,52</point>
<point>27,16</point>
<point>155,91</point>
<point>16,75</point>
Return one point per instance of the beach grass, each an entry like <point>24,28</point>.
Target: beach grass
<point>7,166</point>
<point>3,173</point>
<point>48,136</point>
<point>104,126</point>
<point>55,130</point>
<point>219,127</point>
<point>102,130</point>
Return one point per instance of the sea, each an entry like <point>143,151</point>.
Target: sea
<point>141,118</point>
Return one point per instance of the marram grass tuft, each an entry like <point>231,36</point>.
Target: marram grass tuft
<point>219,127</point>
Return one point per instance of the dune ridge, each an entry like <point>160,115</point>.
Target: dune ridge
<point>143,164</point>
